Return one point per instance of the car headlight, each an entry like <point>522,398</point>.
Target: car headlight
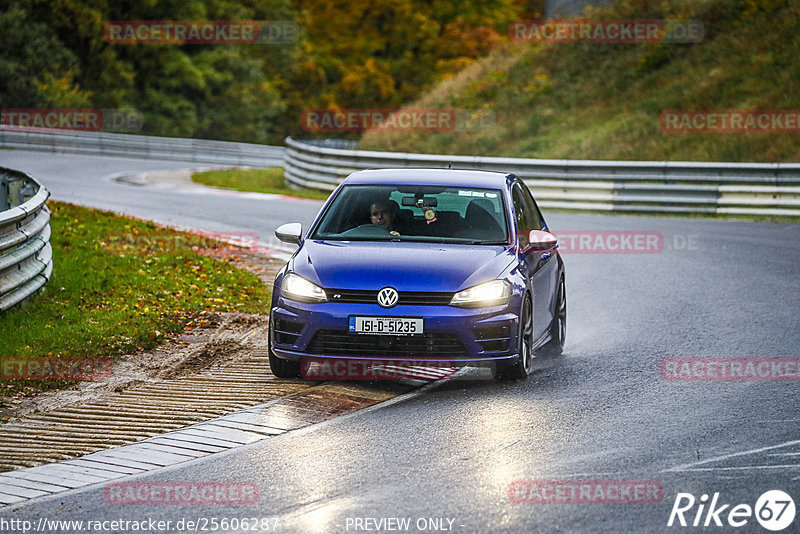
<point>487,294</point>
<point>296,287</point>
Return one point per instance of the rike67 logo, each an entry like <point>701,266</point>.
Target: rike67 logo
<point>774,510</point>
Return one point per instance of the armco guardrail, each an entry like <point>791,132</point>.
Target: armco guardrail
<point>747,189</point>
<point>26,258</point>
<point>141,146</point>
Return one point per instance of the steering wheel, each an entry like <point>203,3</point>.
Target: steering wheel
<point>367,230</point>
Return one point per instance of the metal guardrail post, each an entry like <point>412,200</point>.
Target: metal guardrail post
<point>4,203</point>
<point>663,187</point>
<point>26,257</point>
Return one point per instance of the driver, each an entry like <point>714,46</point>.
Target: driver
<point>384,213</point>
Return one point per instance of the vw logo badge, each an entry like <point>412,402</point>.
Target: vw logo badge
<point>387,297</point>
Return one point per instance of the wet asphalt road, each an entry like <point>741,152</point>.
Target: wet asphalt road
<point>600,412</point>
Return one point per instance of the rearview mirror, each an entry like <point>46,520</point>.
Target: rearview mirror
<point>431,202</point>
<point>289,232</point>
<point>540,240</point>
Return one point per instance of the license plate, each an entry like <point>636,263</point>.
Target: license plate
<point>404,326</point>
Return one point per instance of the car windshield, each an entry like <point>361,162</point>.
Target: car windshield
<point>416,213</point>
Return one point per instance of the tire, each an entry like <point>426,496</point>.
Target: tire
<point>281,368</point>
<point>520,368</point>
<point>558,328</point>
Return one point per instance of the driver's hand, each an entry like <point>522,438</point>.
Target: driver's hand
<point>394,232</point>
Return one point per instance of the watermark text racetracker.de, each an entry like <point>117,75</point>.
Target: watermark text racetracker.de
<point>606,31</point>
<point>353,369</point>
<point>586,492</point>
<point>54,368</point>
<point>730,369</point>
<point>182,493</point>
<point>80,119</point>
<point>137,242</point>
<point>622,241</point>
<point>730,121</point>
<point>395,120</point>
<point>200,32</point>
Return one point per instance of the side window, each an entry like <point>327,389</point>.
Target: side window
<point>536,215</point>
<point>522,213</point>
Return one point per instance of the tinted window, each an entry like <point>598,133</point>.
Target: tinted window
<point>523,212</point>
<point>416,213</point>
<point>536,215</point>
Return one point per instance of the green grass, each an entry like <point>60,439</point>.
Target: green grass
<point>120,286</point>
<point>269,180</point>
<point>604,101</point>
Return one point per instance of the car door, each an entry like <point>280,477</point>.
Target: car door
<point>540,266</point>
<point>552,263</point>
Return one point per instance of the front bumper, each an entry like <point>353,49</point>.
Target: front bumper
<point>458,336</point>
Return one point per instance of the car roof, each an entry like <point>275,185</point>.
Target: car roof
<point>442,177</point>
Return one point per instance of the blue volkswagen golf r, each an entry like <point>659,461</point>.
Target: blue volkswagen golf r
<point>421,265</point>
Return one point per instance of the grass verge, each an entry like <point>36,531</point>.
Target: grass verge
<point>119,286</point>
<point>269,180</point>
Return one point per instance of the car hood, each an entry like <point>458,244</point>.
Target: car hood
<point>405,266</point>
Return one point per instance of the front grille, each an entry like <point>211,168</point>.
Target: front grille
<point>410,298</point>
<point>338,343</point>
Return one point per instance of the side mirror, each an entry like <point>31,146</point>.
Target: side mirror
<point>540,240</point>
<point>289,232</point>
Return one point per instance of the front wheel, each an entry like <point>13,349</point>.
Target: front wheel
<point>281,368</point>
<point>520,368</point>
